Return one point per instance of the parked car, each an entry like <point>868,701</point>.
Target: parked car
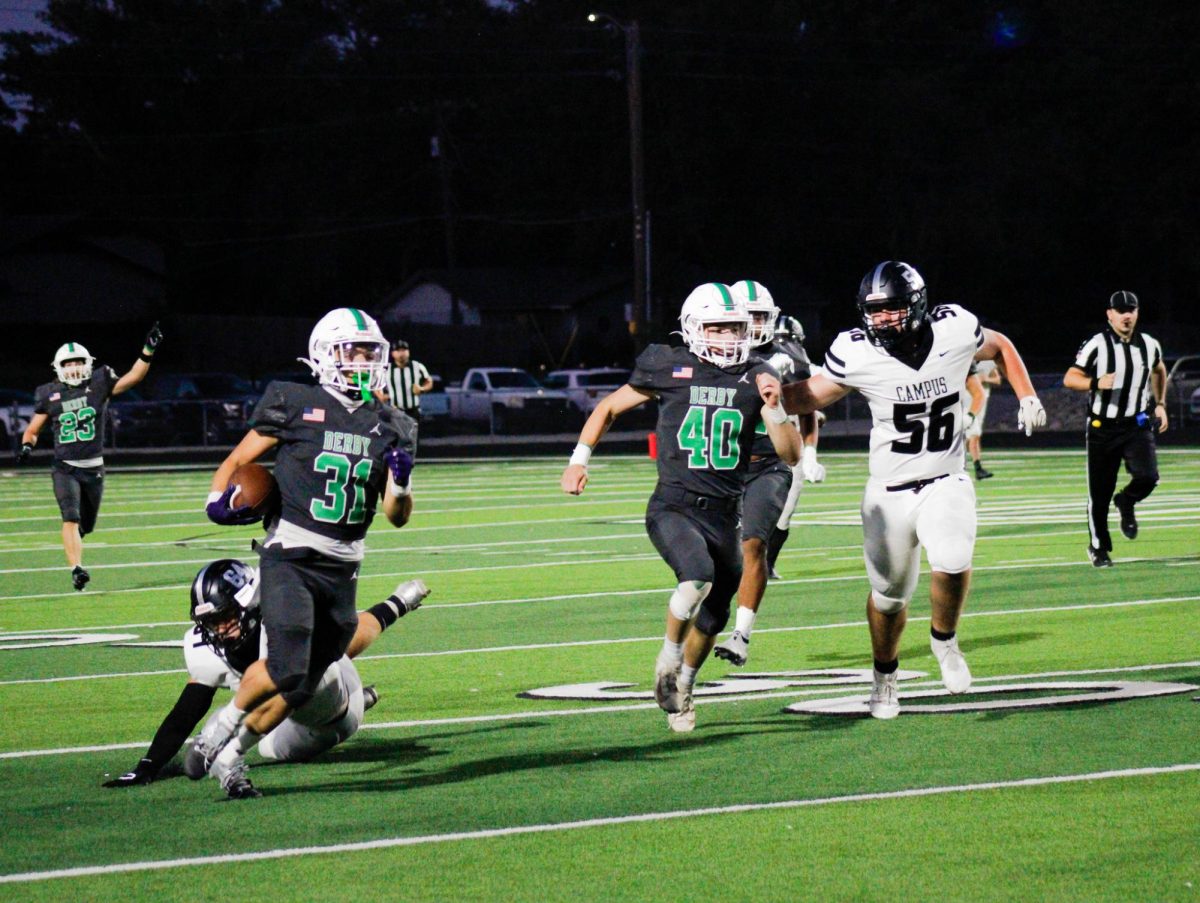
<point>136,421</point>
<point>585,388</point>
<point>1183,388</point>
<point>305,377</point>
<point>500,398</point>
<point>212,406</point>
<point>16,410</point>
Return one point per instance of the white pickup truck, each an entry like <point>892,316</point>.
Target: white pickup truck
<point>501,398</point>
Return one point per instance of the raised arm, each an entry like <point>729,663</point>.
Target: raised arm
<point>141,366</point>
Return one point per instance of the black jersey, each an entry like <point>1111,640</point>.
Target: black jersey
<point>330,466</point>
<point>706,418</point>
<point>790,361</point>
<point>77,414</point>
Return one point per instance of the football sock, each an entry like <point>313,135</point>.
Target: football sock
<point>774,545</point>
<point>687,677</point>
<point>887,667</point>
<point>745,621</point>
<point>938,635</point>
<point>674,651</point>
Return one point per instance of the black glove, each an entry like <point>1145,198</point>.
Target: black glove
<point>143,773</point>
<point>24,453</point>
<point>153,337</point>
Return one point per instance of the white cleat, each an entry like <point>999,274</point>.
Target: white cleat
<point>666,684</point>
<point>735,650</point>
<point>885,698</point>
<point>955,673</point>
<point>685,721</point>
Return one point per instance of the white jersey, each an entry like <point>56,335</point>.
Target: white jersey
<point>917,414</point>
<point>328,702</point>
<point>205,666</point>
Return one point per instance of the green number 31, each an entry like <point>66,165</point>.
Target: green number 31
<point>343,478</point>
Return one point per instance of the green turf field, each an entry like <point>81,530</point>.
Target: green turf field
<point>460,787</point>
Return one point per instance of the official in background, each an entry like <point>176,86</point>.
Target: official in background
<point>406,380</point>
<point>1123,373</point>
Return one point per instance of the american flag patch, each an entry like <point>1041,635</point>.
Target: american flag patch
<point>682,373</point>
<point>56,396</point>
<point>314,415</point>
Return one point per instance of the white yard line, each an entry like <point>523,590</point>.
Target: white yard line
<point>551,827</point>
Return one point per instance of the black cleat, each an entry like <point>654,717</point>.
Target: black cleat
<point>80,577</point>
<point>370,697</point>
<point>981,474</point>
<point>1099,558</point>
<point>1128,519</point>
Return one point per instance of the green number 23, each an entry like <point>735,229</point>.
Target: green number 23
<point>77,426</point>
<point>342,478</point>
<point>718,447</point>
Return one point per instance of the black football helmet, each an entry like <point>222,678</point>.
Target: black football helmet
<point>889,285</point>
<point>789,329</point>
<point>217,596</point>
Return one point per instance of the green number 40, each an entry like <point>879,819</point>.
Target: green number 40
<point>715,444</point>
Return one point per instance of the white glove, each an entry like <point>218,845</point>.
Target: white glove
<point>783,364</point>
<point>813,472</point>
<point>1031,414</point>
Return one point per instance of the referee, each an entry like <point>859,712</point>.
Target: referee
<point>1123,373</point>
<point>406,380</point>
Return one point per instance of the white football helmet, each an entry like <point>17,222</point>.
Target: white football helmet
<point>712,304</point>
<point>73,364</point>
<point>763,312</point>
<point>347,351</point>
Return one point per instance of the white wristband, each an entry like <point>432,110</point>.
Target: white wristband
<point>399,491</point>
<point>774,414</point>
<point>581,455</point>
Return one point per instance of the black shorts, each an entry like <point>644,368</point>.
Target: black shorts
<point>309,614</point>
<point>78,491</point>
<point>698,544</point>
<point>765,494</point>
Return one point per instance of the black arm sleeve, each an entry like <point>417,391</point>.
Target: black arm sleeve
<point>191,706</point>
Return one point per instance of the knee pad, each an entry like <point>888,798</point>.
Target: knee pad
<point>952,557</point>
<point>713,618</point>
<point>687,597</point>
<point>887,606</point>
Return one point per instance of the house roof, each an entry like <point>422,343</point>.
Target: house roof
<point>515,288</point>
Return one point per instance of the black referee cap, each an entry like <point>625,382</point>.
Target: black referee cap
<point>1123,301</point>
<point>397,344</point>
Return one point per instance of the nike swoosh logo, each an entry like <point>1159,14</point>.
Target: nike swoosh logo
<point>943,353</point>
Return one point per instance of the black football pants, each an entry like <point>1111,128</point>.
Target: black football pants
<point>1107,446</point>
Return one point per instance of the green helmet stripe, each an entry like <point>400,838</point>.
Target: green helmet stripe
<point>725,296</point>
<point>70,347</point>
<point>358,318</point>
<point>751,290</point>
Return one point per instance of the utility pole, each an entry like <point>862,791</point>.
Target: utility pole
<point>642,314</point>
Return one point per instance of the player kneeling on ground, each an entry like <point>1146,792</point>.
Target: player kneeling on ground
<point>225,640</point>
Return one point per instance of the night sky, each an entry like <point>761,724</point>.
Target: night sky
<point>1027,158</point>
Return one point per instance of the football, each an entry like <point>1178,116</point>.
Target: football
<point>259,489</point>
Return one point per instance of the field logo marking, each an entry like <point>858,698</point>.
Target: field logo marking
<point>733,685</point>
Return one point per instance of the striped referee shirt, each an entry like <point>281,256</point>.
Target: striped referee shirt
<point>401,381</point>
<point>1130,362</point>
